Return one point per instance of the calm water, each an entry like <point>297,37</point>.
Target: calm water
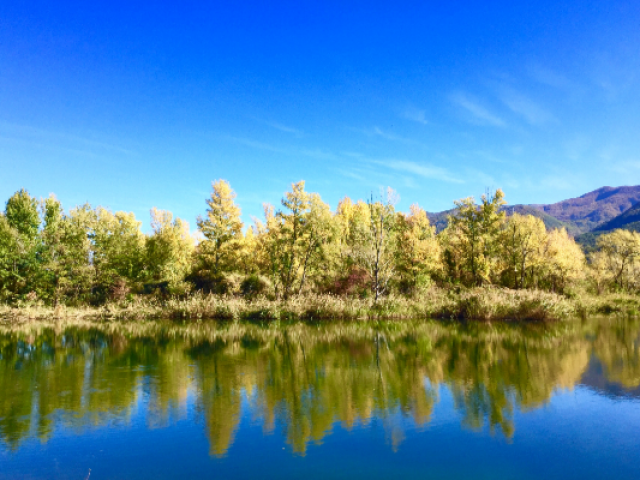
<point>409,400</point>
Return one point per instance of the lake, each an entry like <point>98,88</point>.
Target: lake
<point>336,400</point>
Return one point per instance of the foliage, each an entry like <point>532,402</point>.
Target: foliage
<point>471,239</point>
<point>365,251</point>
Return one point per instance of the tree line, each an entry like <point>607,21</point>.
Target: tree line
<point>366,248</point>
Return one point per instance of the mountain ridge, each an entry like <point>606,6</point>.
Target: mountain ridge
<point>578,215</point>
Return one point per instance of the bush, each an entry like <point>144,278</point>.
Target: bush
<point>254,285</point>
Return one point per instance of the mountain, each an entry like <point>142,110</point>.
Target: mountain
<point>592,209</point>
<point>629,220</point>
<point>439,219</point>
<point>577,215</point>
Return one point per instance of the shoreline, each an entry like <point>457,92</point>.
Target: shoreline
<point>479,304</point>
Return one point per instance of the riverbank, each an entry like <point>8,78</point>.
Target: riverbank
<point>481,304</point>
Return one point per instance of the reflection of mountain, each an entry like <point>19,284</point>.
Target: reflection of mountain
<point>303,378</point>
<point>596,379</point>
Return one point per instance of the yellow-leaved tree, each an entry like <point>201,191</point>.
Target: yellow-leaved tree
<point>293,242</point>
<point>470,241</point>
<point>222,230</point>
<point>615,263</point>
<point>169,249</point>
<point>563,261</point>
<point>417,251</point>
<point>373,234</point>
<point>118,251</point>
<point>521,243</point>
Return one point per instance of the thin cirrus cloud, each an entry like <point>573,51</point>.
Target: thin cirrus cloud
<point>525,107</point>
<point>378,132</point>
<point>284,128</point>
<point>415,115</point>
<point>478,112</point>
<point>422,170</point>
<point>550,78</point>
<point>54,139</point>
<point>283,149</point>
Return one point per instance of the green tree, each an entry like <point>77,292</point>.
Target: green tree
<point>118,251</point>
<point>22,214</point>
<point>22,244</point>
<point>9,259</point>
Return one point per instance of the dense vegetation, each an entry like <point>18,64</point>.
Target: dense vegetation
<point>362,250</point>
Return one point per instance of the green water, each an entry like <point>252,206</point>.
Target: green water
<point>399,400</point>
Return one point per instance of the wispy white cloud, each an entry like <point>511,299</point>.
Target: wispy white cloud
<point>415,115</point>
<point>577,147</point>
<point>284,128</point>
<point>282,149</point>
<point>56,139</point>
<point>485,155</point>
<point>525,107</point>
<point>386,135</point>
<point>255,144</point>
<point>625,166</point>
<point>556,182</point>
<point>279,126</point>
<point>422,170</point>
<point>478,112</point>
<point>378,132</point>
<point>353,174</point>
<point>550,78</point>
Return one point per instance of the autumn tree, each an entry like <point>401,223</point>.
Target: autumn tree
<point>294,240</point>
<point>118,251</point>
<point>248,251</point>
<point>76,269</point>
<point>563,261</point>
<point>373,240</point>
<point>169,249</point>
<point>617,255</point>
<point>222,229</point>
<point>521,243</point>
<point>417,249</point>
<point>470,240</point>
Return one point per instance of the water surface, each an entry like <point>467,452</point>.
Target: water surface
<point>390,400</point>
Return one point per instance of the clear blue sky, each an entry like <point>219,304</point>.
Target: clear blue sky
<point>138,104</point>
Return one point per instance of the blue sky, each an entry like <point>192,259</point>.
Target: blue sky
<point>138,104</point>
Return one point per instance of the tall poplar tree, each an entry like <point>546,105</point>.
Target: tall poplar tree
<point>471,235</point>
<point>221,228</point>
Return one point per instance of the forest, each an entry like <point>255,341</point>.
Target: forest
<point>364,249</point>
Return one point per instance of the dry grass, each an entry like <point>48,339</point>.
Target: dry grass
<point>485,304</point>
<point>614,303</point>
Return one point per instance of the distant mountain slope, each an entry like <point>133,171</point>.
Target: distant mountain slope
<point>439,219</point>
<point>629,220</point>
<point>577,215</point>
<point>593,208</point>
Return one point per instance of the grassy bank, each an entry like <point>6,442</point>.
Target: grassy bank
<point>483,304</point>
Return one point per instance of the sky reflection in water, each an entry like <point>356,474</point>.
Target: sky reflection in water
<point>340,401</point>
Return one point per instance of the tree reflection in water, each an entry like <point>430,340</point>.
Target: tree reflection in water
<point>303,378</point>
